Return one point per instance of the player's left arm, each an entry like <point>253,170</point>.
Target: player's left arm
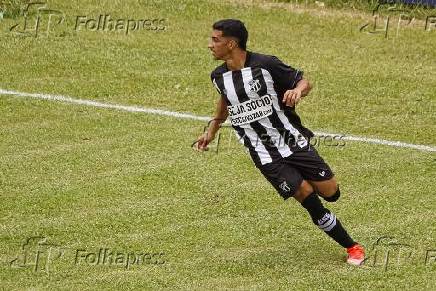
<point>293,96</point>
<point>291,80</point>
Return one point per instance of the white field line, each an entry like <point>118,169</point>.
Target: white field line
<point>67,99</point>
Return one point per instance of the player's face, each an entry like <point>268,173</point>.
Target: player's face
<point>219,45</point>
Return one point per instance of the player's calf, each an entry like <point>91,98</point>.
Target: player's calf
<point>326,220</point>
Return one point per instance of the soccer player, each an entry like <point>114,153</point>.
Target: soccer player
<point>259,94</point>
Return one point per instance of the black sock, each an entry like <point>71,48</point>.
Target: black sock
<point>327,221</point>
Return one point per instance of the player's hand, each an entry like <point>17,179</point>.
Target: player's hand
<point>292,97</point>
<point>203,141</point>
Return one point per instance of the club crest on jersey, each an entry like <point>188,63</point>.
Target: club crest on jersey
<point>254,85</point>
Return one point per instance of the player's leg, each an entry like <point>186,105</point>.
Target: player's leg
<point>285,179</point>
<point>289,183</point>
<point>303,191</point>
<point>328,189</point>
<point>328,222</point>
<point>321,216</point>
<point>317,174</point>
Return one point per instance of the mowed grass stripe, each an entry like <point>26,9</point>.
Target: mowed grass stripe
<point>135,184</point>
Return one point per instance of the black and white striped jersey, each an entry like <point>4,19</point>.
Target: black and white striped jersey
<point>269,129</point>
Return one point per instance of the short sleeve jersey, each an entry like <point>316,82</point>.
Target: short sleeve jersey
<point>269,129</point>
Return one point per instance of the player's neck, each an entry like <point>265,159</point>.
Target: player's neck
<point>236,61</point>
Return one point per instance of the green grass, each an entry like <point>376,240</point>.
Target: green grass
<point>418,11</point>
<point>89,178</point>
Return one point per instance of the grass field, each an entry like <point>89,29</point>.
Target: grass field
<point>86,178</point>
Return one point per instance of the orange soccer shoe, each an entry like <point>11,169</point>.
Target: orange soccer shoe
<point>356,255</point>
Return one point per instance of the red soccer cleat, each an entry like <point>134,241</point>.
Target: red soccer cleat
<point>356,255</point>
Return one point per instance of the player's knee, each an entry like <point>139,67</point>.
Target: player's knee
<point>334,197</point>
<point>303,191</point>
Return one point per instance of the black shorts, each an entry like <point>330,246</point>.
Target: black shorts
<point>287,174</point>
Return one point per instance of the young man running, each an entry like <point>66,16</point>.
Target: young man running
<point>259,94</point>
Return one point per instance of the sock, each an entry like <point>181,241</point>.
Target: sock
<point>327,221</point>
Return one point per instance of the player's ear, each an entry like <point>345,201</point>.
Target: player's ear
<point>232,44</point>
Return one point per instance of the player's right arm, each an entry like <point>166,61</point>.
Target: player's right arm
<point>221,114</point>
